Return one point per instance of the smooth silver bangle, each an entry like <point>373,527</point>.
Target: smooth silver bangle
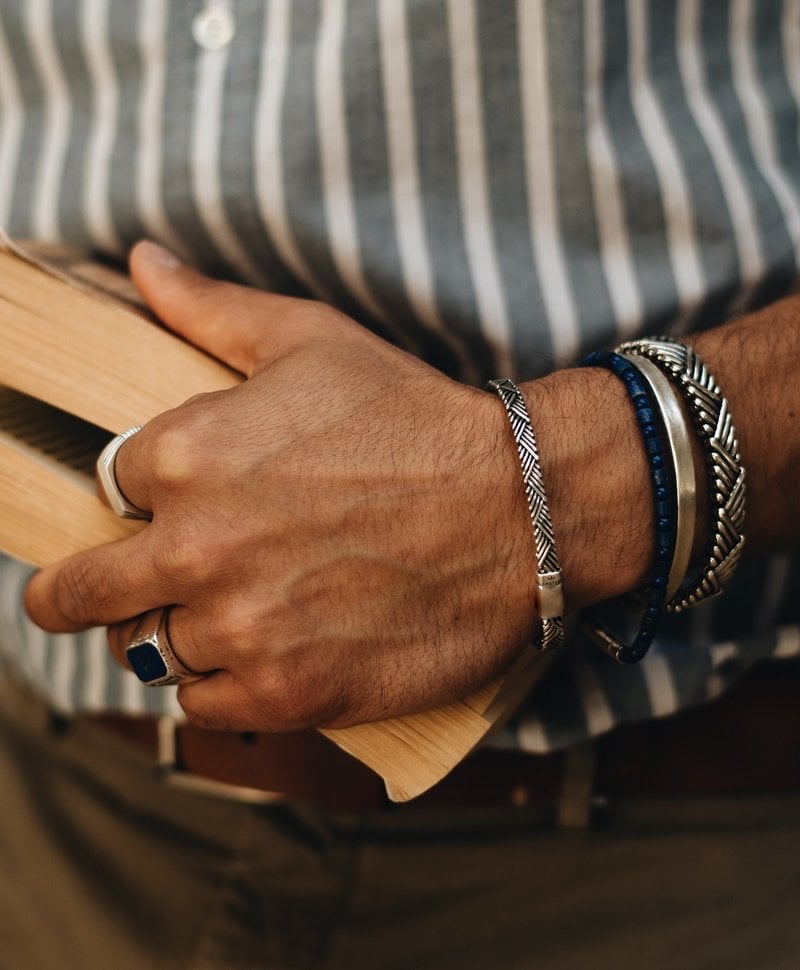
<point>683,473</point>
<point>548,574</point>
<point>726,475</point>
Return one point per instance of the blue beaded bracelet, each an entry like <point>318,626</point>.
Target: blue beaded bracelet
<point>665,508</point>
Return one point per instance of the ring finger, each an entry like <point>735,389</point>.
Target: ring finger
<point>146,645</point>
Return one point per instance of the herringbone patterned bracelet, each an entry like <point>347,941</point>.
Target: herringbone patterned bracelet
<point>548,575</point>
<point>726,475</point>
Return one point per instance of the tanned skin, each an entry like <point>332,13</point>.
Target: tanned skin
<point>344,537</point>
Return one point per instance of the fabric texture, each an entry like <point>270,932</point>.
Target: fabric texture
<point>497,186</point>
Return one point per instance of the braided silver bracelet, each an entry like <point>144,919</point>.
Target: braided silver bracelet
<point>725,471</point>
<point>548,574</point>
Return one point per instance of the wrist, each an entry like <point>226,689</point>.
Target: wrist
<point>756,360</point>
<point>596,477</point>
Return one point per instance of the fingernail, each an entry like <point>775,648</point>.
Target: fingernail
<point>158,254</point>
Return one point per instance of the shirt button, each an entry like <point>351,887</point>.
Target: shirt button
<point>213,28</point>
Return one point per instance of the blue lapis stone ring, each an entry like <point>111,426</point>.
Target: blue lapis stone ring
<point>151,656</point>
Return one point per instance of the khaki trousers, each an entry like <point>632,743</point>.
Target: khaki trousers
<point>104,866</point>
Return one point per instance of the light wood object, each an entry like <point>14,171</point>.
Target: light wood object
<point>81,362</point>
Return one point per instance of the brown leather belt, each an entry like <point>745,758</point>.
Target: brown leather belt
<point>746,742</point>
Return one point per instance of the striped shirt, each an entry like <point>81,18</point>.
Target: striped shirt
<point>497,186</point>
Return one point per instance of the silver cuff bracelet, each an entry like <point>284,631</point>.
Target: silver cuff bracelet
<point>726,474</point>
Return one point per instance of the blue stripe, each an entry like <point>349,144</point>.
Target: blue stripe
<point>778,253</point>
<point>122,26</point>
<point>502,112</point>
<point>32,133</point>
<point>179,105</point>
<point>642,200</point>
<point>565,45</point>
<point>237,154</point>
<point>366,124</point>
<point>438,168</point>
<point>712,222</point>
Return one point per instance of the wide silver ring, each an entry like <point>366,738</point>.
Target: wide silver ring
<point>151,656</point>
<point>107,480</point>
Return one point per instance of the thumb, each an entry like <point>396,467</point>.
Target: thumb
<point>228,321</point>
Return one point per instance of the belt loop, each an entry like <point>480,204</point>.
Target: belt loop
<point>176,777</point>
<point>577,782</point>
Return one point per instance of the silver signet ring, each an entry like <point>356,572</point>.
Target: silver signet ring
<point>151,656</point>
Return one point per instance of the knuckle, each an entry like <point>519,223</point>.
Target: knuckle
<point>242,625</point>
<point>173,457</point>
<point>176,441</point>
<point>304,321</point>
<point>190,555</point>
<point>77,588</point>
<point>296,698</point>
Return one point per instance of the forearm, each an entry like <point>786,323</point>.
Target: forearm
<point>756,360</point>
<point>595,468</point>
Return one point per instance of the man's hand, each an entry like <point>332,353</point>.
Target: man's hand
<point>340,538</point>
<point>344,537</point>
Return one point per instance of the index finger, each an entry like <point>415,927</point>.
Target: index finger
<point>171,455</point>
<point>102,585</point>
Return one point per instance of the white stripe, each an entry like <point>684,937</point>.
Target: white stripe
<point>790,32</point>
<point>658,680</point>
<point>269,174</point>
<point>721,654</point>
<point>153,53</point>
<point>205,162</point>
<point>97,659</point>
<point>758,119</point>
<point>473,181</point>
<point>105,97</point>
<point>11,125</point>
<point>596,709</point>
<point>404,175</point>
<point>668,165</point>
<point>47,186</point>
<point>335,156</point>
<point>537,128</point>
<point>531,735</point>
<point>746,233</point>
<point>788,643</point>
<point>13,577</point>
<point>403,170</point>
<point>615,248</point>
<point>660,686</point>
<point>62,672</point>
<point>132,694</point>
<point>170,703</point>
<point>30,642</point>
<point>36,649</point>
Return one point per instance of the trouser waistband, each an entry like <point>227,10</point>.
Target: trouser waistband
<point>746,742</point>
